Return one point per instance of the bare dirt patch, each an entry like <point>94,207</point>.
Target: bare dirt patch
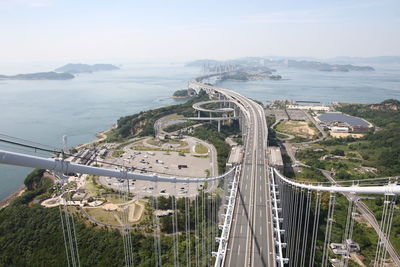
<point>342,135</point>
<point>297,128</point>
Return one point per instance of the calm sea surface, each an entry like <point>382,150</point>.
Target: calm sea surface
<point>44,111</point>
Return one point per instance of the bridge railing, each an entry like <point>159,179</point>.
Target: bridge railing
<point>226,227</point>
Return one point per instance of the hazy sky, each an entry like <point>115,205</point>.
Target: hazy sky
<point>85,30</point>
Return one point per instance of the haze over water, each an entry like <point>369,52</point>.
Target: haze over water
<point>44,111</point>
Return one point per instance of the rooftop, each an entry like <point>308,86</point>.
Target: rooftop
<point>340,117</point>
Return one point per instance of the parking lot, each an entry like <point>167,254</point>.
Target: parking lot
<point>168,162</point>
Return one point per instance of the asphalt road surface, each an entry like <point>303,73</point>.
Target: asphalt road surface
<point>251,239</point>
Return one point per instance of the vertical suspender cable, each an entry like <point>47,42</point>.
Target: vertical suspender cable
<point>197,230</point>
<point>389,228</point>
<point>293,226</point>
<point>289,223</point>
<point>328,230</point>
<point>187,226</point>
<point>350,231</point>
<point>380,238</point>
<point>123,232</point>
<point>64,234</point>
<point>305,230</point>
<point>156,255</point>
<point>299,225</point>
<point>315,228</point>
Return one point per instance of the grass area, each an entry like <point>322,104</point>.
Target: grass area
<point>92,188</point>
<point>104,216</point>
<point>146,148</point>
<point>238,140</point>
<point>282,135</point>
<point>175,117</point>
<point>154,142</point>
<point>179,126</point>
<point>201,156</point>
<point>310,175</point>
<point>298,129</point>
<point>201,149</point>
<point>118,153</point>
<point>346,159</point>
<point>115,200</point>
<point>124,144</point>
<point>181,143</point>
<point>159,143</point>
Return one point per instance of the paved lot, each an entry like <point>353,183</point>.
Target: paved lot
<point>163,163</point>
<point>297,115</point>
<point>280,114</point>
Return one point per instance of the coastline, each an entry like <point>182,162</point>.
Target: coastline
<point>99,137</point>
<point>6,201</point>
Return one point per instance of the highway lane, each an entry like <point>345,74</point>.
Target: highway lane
<point>251,242</point>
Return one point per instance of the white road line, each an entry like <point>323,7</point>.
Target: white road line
<point>241,228</point>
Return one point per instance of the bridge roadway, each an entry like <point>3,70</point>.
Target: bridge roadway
<point>251,240</point>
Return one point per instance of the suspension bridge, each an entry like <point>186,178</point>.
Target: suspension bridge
<point>262,218</point>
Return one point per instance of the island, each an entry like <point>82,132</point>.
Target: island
<point>39,76</point>
<point>315,65</point>
<point>250,74</point>
<point>184,93</point>
<point>85,68</point>
<point>248,63</point>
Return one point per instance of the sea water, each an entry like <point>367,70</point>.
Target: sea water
<point>44,111</point>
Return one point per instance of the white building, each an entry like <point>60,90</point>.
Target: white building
<point>338,129</point>
<point>314,108</point>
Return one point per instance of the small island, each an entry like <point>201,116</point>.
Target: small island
<point>39,76</point>
<point>315,65</point>
<point>249,76</point>
<point>184,93</point>
<point>85,68</point>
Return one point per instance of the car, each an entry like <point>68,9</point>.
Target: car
<point>162,191</point>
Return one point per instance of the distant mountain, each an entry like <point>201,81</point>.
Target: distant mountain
<point>315,65</point>
<point>39,76</point>
<point>82,68</point>
<point>277,62</point>
<point>366,60</point>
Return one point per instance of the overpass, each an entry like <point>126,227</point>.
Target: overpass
<point>228,113</point>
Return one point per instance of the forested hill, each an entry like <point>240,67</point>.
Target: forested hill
<point>39,76</point>
<point>383,146</point>
<point>142,124</point>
